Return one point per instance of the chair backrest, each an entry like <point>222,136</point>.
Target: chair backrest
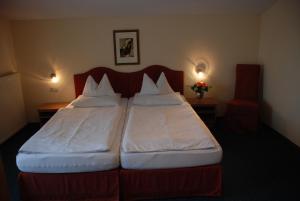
<point>247,82</point>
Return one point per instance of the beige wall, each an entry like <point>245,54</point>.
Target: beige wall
<point>76,45</point>
<point>12,110</point>
<point>7,59</point>
<point>12,116</point>
<point>280,55</point>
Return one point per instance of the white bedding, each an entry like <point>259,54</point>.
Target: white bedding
<point>54,162</point>
<point>76,130</point>
<point>71,162</point>
<point>165,128</point>
<point>161,159</point>
<point>171,159</point>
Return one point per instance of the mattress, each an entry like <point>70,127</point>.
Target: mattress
<point>74,162</point>
<point>172,158</point>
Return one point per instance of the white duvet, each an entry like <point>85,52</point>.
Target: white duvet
<point>165,128</point>
<point>76,130</point>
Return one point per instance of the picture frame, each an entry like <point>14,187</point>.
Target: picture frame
<point>126,47</point>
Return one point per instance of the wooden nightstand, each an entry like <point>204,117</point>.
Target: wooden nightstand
<point>205,108</point>
<point>47,110</point>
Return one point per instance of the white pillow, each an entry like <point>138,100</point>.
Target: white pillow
<point>163,85</point>
<point>160,99</point>
<point>104,87</point>
<point>99,101</point>
<point>148,86</point>
<point>90,87</point>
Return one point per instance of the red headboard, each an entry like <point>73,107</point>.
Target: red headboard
<point>129,83</point>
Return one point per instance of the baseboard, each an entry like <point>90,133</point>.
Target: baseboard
<point>280,134</point>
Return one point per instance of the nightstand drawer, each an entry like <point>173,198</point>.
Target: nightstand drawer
<point>47,110</point>
<point>46,114</point>
<point>206,109</point>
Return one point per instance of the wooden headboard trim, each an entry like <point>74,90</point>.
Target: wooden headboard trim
<point>130,83</point>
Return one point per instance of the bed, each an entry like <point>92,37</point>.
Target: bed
<point>74,171</point>
<point>154,174</point>
<point>134,182</point>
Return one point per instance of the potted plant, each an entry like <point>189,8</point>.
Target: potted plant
<point>200,88</point>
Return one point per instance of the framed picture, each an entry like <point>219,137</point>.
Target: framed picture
<point>126,46</point>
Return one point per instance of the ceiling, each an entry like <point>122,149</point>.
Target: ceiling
<point>56,9</point>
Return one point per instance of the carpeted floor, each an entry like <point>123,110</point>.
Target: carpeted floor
<point>261,167</point>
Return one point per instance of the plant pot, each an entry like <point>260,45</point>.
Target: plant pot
<point>200,94</point>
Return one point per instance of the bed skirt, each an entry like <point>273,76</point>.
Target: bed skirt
<point>93,186</point>
<point>167,183</point>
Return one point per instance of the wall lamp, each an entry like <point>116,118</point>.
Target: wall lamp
<point>54,78</point>
<point>201,69</point>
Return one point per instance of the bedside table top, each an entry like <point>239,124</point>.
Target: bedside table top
<point>52,106</point>
<point>202,101</point>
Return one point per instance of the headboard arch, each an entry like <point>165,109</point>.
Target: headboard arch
<point>130,83</point>
<point>175,78</point>
<point>118,80</point>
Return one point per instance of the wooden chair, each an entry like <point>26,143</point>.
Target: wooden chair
<point>242,114</point>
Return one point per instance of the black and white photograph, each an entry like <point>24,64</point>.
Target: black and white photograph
<point>126,47</point>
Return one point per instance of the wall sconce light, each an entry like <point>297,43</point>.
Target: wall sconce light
<point>201,70</point>
<point>54,78</point>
